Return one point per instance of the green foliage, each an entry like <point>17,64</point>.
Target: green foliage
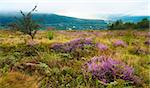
<point>7,62</point>
<point>50,35</point>
<point>43,68</point>
<point>119,84</point>
<point>64,70</point>
<point>143,24</point>
<point>119,25</point>
<point>128,37</point>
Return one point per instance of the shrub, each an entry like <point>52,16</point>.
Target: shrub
<point>102,47</point>
<point>6,63</point>
<point>77,48</point>
<point>119,43</point>
<point>50,35</point>
<point>108,70</point>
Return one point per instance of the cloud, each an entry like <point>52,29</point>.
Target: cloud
<point>80,8</point>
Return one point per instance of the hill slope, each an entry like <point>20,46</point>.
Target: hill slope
<point>59,22</point>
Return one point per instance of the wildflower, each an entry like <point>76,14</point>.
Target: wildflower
<point>120,43</point>
<point>72,45</point>
<point>57,47</point>
<point>108,70</point>
<point>102,47</point>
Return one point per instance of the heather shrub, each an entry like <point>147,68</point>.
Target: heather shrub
<point>108,70</point>
<point>119,43</point>
<point>79,47</point>
<point>102,47</point>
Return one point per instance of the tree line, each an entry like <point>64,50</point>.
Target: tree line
<point>119,25</point>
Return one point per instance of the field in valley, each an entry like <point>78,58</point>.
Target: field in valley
<point>75,59</point>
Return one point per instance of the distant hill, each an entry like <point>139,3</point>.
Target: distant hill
<point>133,19</point>
<point>58,21</point>
<point>65,22</point>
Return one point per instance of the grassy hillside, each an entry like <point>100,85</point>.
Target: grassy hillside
<point>75,59</point>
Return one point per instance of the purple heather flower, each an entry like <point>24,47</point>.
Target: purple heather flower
<point>102,47</point>
<point>75,41</point>
<point>88,40</point>
<point>56,46</point>
<point>74,46</point>
<point>120,43</point>
<point>108,70</point>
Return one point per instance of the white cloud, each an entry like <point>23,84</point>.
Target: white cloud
<point>80,8</point>
<point>66,1</point>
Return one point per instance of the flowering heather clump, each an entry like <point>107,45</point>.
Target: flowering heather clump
<point>76,47</point>
<point>57,46</point>
<point>147,42</point>
<point>78,43</point>
<point>108,70</point>
<point>120,43</point>
<point>102,47</point>
<point>72,45</point>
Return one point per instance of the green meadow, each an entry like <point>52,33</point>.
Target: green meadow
<point>63,59</point>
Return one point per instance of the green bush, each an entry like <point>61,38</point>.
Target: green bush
<point>50,35</point>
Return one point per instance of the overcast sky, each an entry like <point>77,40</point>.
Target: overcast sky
<point>91,9</point>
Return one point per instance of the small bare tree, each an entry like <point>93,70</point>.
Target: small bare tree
<point>26,24</point>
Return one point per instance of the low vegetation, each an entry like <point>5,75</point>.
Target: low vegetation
<point>75,59</point>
